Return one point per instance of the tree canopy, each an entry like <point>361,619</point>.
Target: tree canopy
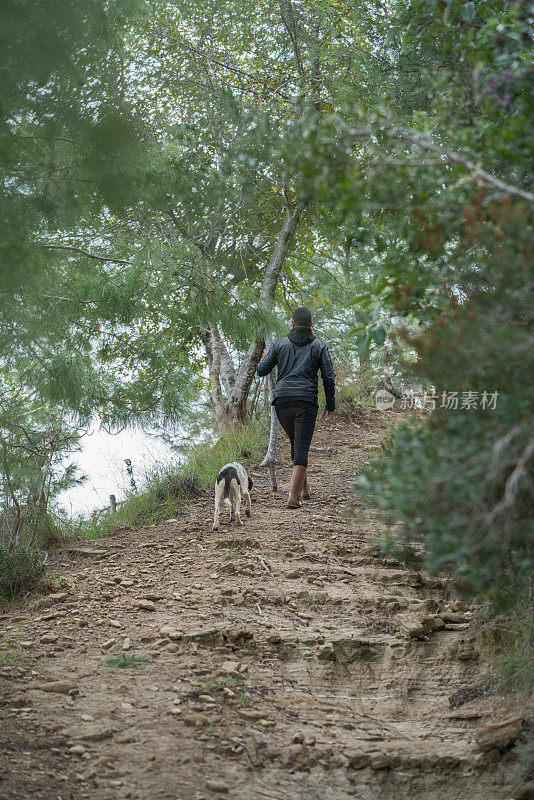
<point>179,176</point>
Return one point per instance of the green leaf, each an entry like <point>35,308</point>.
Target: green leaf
<point>357,299</point>
<point>363,345</point>
<point>447,14</point>
<point>378,335</point>
<point>467,12</point>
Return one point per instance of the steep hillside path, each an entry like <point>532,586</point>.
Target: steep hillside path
<point>284,659</point>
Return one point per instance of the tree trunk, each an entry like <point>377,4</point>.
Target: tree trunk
<point>10,493</point>
<point>227,370</point>
<point>228,373</point>
<point>270,457</point>
<point>266,402</point>
<point>238,397</point>
<point>221,368</point>
<point>217,400</point>
<point>42,500</point>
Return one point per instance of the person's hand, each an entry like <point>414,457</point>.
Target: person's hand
<point>264,353</point>
<point>327,415</point>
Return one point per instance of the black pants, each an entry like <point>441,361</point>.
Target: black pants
<point>299,424</point>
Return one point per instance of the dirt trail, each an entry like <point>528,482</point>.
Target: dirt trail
<point>286,659</point>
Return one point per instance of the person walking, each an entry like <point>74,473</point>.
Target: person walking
<point>299,357</point>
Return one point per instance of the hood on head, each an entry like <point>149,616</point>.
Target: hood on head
<point>300,335</point>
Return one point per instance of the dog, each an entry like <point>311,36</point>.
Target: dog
<point>232,487</point>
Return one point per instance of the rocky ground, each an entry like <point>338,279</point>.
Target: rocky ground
<point>284,659</point>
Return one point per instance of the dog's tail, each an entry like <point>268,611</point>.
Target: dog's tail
<point>228,474</point>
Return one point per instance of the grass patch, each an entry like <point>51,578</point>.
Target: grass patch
<point>124,661</point>
<point>11,652</point>
<point>506,639</point>
<point>21,569</point>
<point>49,531</point>
<point>505,624</point>
<point>245,443</point>
<point>167,487</point>
<point>356,387</point>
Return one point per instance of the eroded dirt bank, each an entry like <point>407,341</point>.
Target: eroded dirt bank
<point>285,659</point>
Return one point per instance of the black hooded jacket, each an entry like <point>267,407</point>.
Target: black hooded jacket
<point>299,356</point>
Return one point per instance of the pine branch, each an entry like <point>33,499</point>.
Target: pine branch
<point>86,253</point>
<point>197,51</point>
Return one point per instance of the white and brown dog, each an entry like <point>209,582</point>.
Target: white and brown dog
<point>232,487</point>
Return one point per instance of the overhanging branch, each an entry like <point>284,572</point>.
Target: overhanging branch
<point>448,157</point>
<point>458,158</point>
<point>86,253</point>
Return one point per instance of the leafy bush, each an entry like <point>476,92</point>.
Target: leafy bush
<point>21,569</point>
<point>461,484</point>
<point>461,481</point>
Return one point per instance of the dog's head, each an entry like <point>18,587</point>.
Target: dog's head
<point>250,482</point>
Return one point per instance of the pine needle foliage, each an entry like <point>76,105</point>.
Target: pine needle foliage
<point>68,136</point>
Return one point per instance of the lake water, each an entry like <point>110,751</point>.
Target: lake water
<point>102,459</point>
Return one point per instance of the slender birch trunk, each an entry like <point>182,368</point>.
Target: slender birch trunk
<point>217,399</point>
<point>221,369</point>
<point>228,374</point>
<point>270,457</point>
